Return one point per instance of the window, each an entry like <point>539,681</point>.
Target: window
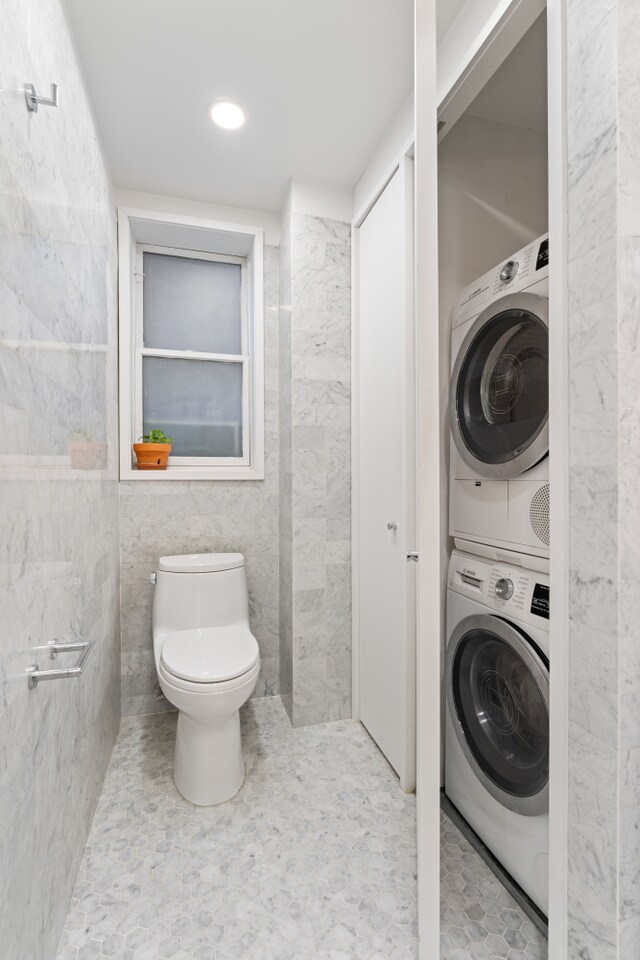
<point>191,354</point>
<point>193,345</point>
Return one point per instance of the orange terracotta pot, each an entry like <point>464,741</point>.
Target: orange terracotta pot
<point>152,456</point>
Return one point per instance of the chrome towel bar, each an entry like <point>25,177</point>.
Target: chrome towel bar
<point>54,647</point>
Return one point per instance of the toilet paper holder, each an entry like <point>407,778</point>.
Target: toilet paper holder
<point>54,647</point>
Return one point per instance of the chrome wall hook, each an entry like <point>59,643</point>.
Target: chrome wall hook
<point>33,99</point>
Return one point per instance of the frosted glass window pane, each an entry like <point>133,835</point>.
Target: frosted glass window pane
<point>191,304</point>
<point>197,402</point>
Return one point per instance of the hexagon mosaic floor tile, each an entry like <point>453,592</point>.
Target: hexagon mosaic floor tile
<point>314,859</point>
<point>479,919</point>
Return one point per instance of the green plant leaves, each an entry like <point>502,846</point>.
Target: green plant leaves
<point>156,436</point>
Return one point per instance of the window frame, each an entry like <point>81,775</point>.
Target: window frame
<point>140,231</point>
<point>243,358</point>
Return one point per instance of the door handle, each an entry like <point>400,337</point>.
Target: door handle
<point>392,525</point>
<point>413,556</point>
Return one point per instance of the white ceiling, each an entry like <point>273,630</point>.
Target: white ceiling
<point>321,81</point>
<point>517,92</point>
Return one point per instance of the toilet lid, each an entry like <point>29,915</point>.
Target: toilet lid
<point>201,562</point>
<point>210,654</point>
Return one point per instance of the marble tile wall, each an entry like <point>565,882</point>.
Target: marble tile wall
<point>604,331</point>
<point>163,517</point>
<point>286,448</point>
<point>318,504</point>
<point>58,480</point>
<point>628,251</point>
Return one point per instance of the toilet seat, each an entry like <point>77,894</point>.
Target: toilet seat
<point>209,655</point>
<point>204,690</point>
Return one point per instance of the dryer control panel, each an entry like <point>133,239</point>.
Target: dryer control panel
<point>507,588</point>
<point>523,270</point>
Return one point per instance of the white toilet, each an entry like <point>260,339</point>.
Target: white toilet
<point>208,663</point>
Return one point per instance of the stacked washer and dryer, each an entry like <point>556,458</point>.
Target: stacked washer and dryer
<point>497,654</point>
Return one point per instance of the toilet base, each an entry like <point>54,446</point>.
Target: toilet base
<point>208,766</point>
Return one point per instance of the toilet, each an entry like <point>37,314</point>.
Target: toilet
<point>207,662</point>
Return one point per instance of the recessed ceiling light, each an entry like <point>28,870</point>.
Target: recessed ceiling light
<point>227,114</point>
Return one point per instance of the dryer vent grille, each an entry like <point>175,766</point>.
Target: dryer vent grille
<point>539,513</point>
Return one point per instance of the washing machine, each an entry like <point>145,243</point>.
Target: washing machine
<point>499,406</point>
<point>496,683</point>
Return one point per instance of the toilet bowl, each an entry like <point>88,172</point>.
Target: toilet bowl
<point>207,661</point>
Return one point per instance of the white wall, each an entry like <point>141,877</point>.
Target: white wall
<point>465,36</point>
<point>483,34</point>
<point>270,222</point>
<point>492,199</point>
<point>316,200</point>
<point>395,142</point>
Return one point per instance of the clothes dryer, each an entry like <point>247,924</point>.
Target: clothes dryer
<point>497,711</point>
<point>499,406</point>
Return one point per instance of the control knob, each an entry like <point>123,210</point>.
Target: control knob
<point>504,588</point>
<point>509,271</point>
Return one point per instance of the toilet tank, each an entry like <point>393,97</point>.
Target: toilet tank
<point>199,590</point>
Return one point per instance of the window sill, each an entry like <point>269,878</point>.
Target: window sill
<point>194,473</point>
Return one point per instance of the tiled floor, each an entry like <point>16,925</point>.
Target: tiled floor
<point>314,858</point>
<point>478,918</point>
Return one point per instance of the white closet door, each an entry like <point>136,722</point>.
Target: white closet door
<point>386,474</point>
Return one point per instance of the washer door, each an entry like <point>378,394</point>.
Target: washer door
<point>497,686</point>
<point>499,402</point>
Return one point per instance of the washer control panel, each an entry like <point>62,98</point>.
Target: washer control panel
<point>526,268</point>
<point>506,588</point>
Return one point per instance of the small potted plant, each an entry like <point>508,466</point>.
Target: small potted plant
<point>152,453</point>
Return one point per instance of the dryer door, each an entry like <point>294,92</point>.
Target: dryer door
<point>497,686</point>
<point>499,400</point>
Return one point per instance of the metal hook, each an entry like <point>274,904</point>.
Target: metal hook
<point>33,99</point>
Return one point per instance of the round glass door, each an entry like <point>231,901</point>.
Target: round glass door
<point>497,693</point>
<point>500,388</point>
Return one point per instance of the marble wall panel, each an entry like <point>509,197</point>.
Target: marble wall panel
<point>167,517</point>
<point>604,333</point>
<point>316,510</point>
<point>629,466</point>
<point>593,747</point>
<point>58,480</point>
<point>285,471</point>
